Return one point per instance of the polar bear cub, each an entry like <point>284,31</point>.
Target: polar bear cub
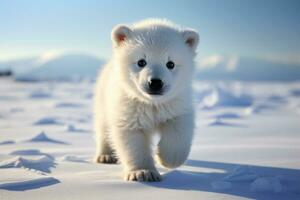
<point>144,89</point>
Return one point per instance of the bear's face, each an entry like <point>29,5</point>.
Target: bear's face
<point>155,62</point>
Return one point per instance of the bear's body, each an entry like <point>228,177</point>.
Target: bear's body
<point>138,94</point>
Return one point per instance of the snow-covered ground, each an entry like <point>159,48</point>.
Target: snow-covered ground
<point>247,145</point>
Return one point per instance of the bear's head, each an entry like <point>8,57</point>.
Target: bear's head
<point>154,59</point>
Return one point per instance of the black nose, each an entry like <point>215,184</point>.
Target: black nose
<point>155,85</point>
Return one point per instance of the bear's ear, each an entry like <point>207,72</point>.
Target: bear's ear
<point>120,34</point>
<point>191,38</point>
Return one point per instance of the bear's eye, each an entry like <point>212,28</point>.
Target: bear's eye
<point>142,63</point>
<point>170,65</point>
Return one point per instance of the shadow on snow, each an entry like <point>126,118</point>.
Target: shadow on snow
<point>203,181</point>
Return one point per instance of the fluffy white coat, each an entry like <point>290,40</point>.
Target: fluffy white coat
<point>127,115</point>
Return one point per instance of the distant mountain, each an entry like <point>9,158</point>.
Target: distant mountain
<point>246,69</point>
<point>19,65</point>
<point>63,67</point>
<point>215,67</point>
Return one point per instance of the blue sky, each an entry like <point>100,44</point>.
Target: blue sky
<point>253,28</point>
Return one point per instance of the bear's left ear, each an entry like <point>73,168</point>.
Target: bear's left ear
<point>120,34</point>
<point>191,38</point>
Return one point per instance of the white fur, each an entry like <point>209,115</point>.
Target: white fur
<point>126,116</point>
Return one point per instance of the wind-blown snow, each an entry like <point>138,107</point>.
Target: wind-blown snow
<point>30,152</point>
<point>73,158</point>
<point>72,128</point>
<point>42,137</point>
<point>267,184</point>
<point>39,163</point>
<point>7,142</point>
<point>39,94</point>
<point>221,185</point>
<point>224,96</point>
<point>48,121</point>
<point>228,115</point>
<point>246,145</point>
<point>241,173</point>
<point>219,122</point>
<point>68,105</point>
<point>24,180</point>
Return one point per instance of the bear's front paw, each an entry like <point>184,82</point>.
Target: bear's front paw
<point>143,175</point>
<point>109,159</point>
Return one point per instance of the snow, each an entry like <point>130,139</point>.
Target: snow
<point>42,137</point>
<point>71,66</point>
<point>7,142</point>
<point>220,96</point>
<point>219,122</point>
<point>72,158</point>
<point>246,146</point>
<point>267,184</point>
<point>221,67</point>
<point>72,128</point>
<point>39,163</point>
<point>295,92</point>
<point>39,94</point>
<point>221,185</point>
<point>68,105</point>
<point>29,152</point>
<point>228,115</point>
<point>47,121</point>
<point>241,173</point>
<point>24,180</point>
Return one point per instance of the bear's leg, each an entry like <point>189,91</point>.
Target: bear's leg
<point>175,143</point>
<point>134,151</point>
<point>104,151</point>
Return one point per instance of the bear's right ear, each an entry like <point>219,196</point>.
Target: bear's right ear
<point>120,34</point>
